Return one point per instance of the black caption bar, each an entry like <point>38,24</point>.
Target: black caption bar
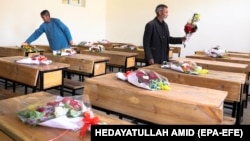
<point>163,132</point>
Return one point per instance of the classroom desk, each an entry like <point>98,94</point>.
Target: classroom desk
<point>229,54</point>
<point>49,76</point>
<point>231,82</point>
<point>122,60</point>
<point>223,59</point>
<point>183,104</point>
<point>141,55</point>
<point>87,65</point>
<point>16,51</point>
<point>14,129</point>
<point>139,58</point>
<point>218,65</point>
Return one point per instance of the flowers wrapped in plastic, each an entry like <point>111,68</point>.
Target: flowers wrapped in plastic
<point>104,41</point>
<point>64,52</point>
<point>63,112</point>
<point>96,48</point>
<point>35,59</point>
<point>191,27</point>
<point>146,79</point>
<point>216,52</point>
<point>185,67</point>
<point>29,48</point>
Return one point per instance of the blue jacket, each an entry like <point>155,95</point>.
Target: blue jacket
<point>57,33</point>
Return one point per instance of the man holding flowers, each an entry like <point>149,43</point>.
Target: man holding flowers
<point>156,38</point>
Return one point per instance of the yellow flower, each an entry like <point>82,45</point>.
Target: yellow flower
<point>33,107</point>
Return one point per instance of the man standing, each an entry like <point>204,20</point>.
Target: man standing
<point>156,38</point>
<point>57,33</point>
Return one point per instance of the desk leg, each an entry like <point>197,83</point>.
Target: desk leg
<point>41,81</point>
<point>234,109</point>
<point>62,84</point>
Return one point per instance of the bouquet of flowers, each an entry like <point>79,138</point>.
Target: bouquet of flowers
<point>103,41</point>
<point>89,44</point>
<point>185,67</point>
<point>35,59</point>
<point>64,52</point>
<point>63,113</point>
<point>29,48</point>
<point>96,48</point>
<point>191,26</point>
<point>216,52</point>
<point>145,79</point>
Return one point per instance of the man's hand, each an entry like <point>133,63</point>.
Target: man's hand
<point>184,39</point>
<point>71,43</point>
<point>151,61</point>
<point>25,44</point>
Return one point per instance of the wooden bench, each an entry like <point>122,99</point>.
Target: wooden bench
<point>73,85</point>
<point>5,94</point>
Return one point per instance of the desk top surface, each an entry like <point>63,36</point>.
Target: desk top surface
<point>212,74</point>
<point>11,125</point>
<point>178,92</point>
<point>83,57</point>
<point>228,59</point>
<point>230,53</point>
<point>213,62</point>
<point>42,67</point>
<point>111,52</point>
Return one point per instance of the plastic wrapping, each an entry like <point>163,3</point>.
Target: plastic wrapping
<point>36,59</point>
<point>61,112</point>
<point>146,79</point>
<point>216,52</point>
<point>185,67</point>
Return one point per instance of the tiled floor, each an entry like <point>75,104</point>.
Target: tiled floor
<point>245,119</point>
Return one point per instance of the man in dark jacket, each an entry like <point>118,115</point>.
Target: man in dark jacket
<point>156,38</point>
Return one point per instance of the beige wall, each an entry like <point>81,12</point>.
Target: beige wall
<point>223,22</point>
<point>19,18</point>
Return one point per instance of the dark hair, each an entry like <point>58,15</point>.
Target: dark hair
<point>45,13</point>
<point>160,8</point>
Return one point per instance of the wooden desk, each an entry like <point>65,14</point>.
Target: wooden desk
<point>223,59</point>
<point>16,51</point>
<point>141,55</point>
<point>229,54</point>
<point>13,128</point>
<point>182,104</point>
<point>231,82</point>
<point>79,48</point>
<point>123,60</point>
<point>87,65</point>
<point>45,48</point>
<point>218,65</point>
<point>220,80</point>
<point>49,76</point>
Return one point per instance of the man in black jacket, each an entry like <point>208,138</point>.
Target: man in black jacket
<point>156,38</point>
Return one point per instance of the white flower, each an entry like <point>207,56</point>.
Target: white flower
<point>61,111</point>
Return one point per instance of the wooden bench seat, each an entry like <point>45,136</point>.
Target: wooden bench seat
<point>228,120</point>
<point>5,94</point>
<point>73,85</point>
